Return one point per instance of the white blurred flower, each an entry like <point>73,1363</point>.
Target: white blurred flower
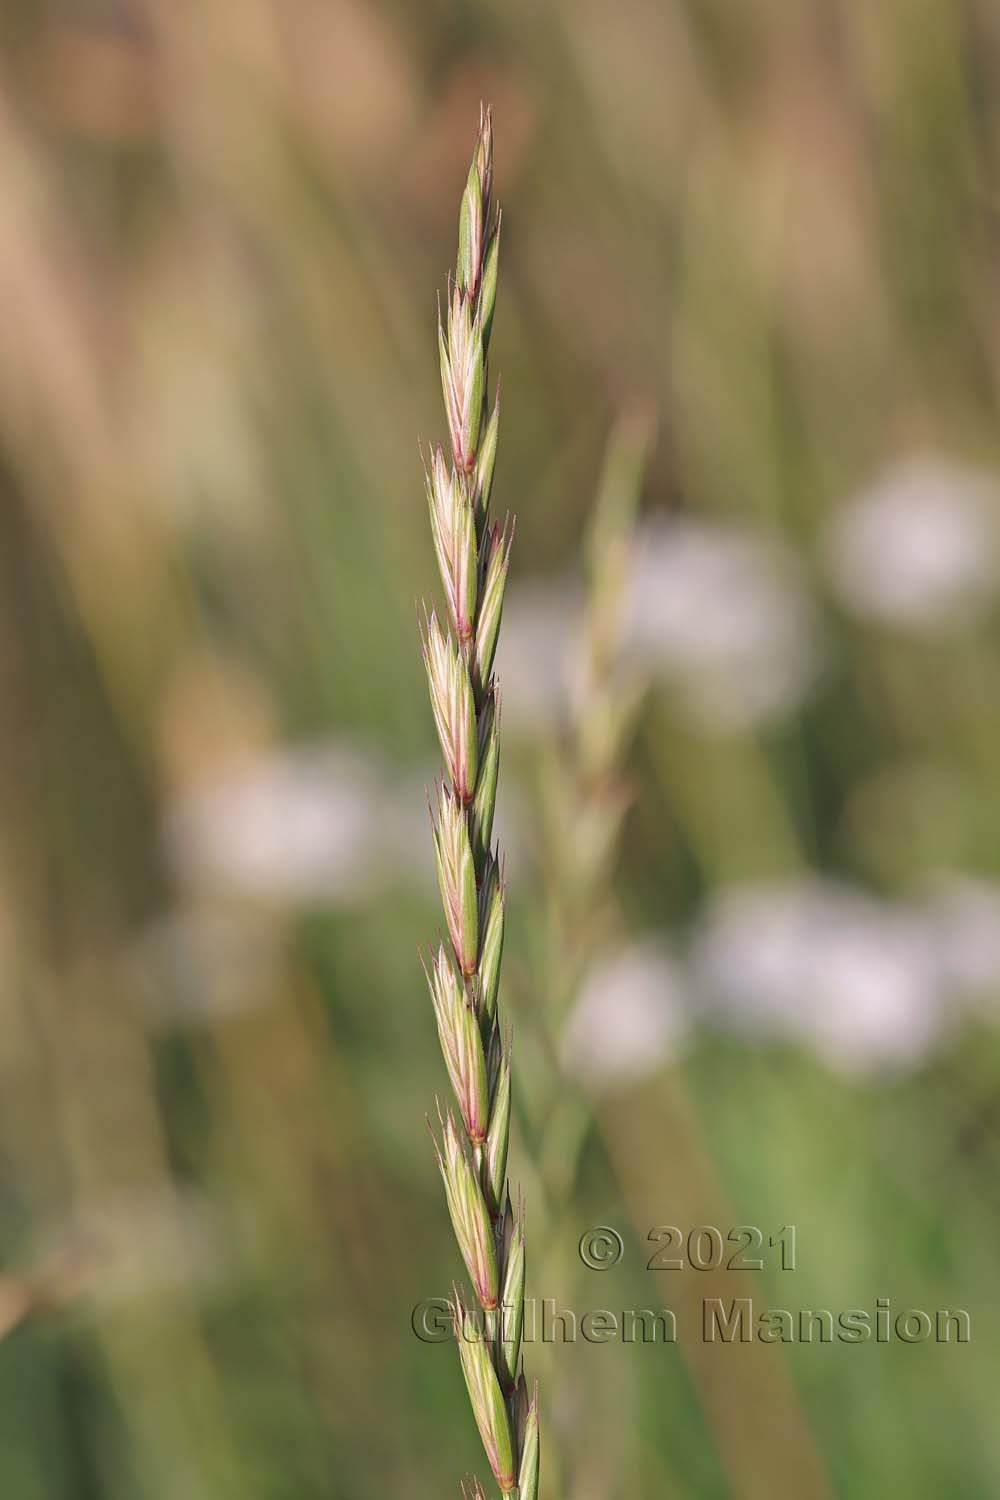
<point>330,824</point>
<point>920,549</point>
<point>537,654</point>
<point>723,616</point>
<point>826,966</point>
<point>300,825</point>
<point>630,1018</point>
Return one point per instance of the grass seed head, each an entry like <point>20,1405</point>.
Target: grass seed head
<point>469,1217</point>
<point>453,706</point>
<point>459,647</point>
<point>461,1046</point>
<point>487,1400</point>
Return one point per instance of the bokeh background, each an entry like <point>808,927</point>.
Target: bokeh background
<point>751,785</point>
